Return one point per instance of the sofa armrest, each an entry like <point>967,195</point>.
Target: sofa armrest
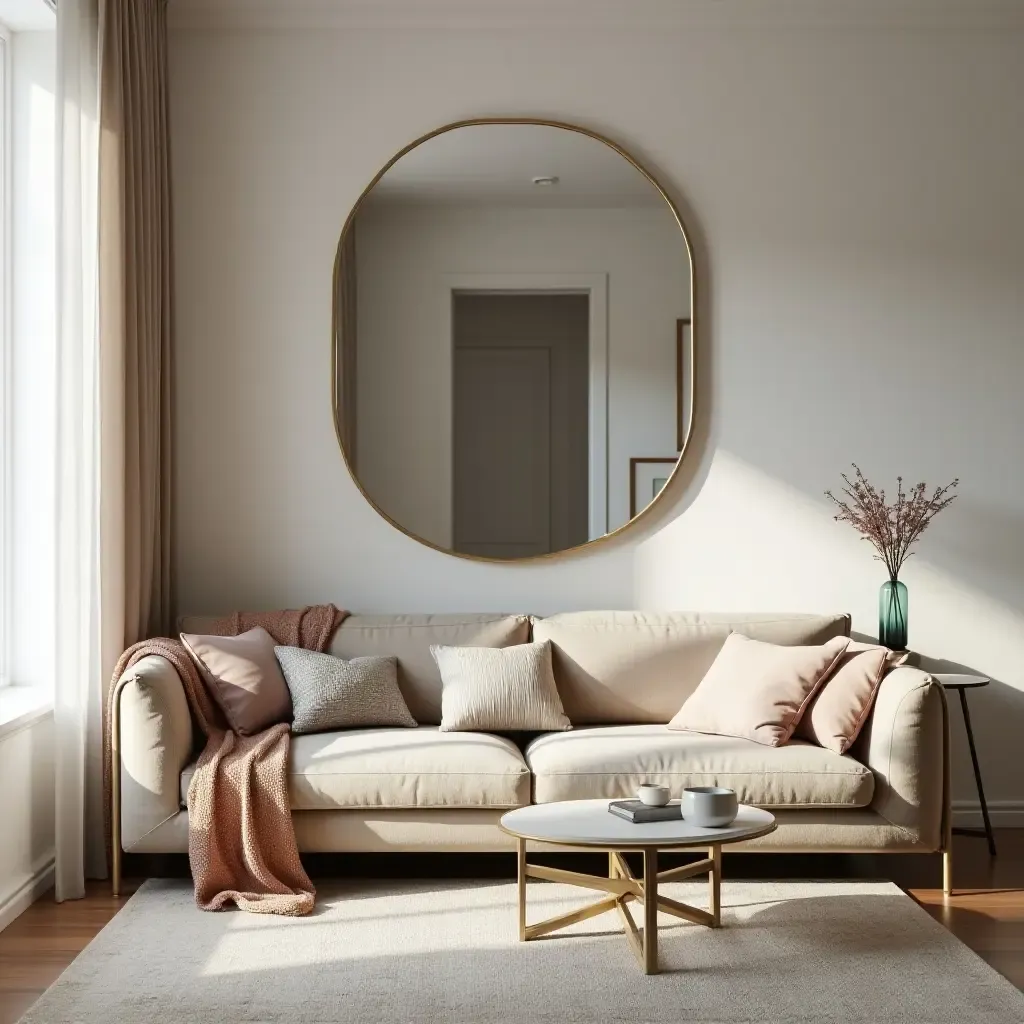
<point>154,742</point>
<point>904,743</point>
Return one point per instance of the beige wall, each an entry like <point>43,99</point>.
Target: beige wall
<point>852,173</point>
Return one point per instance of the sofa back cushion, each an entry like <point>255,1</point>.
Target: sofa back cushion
<point>636,667</point>
<point>409,639</point>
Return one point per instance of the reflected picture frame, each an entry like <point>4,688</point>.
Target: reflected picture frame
<point>648,476</point>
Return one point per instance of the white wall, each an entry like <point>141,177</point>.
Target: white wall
<point>404,360</point>
<point>27,813</point>
<point>852,174</point>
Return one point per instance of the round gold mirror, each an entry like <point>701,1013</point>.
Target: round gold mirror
<point>513,339</point>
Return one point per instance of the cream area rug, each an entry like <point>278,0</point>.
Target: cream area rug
<point>790,953</point>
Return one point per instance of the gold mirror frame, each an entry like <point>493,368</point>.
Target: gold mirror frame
<point>685,427</point>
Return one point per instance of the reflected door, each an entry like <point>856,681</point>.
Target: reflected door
<point>520,459</point>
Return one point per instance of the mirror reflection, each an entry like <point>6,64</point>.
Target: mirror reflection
<point>512,352</point>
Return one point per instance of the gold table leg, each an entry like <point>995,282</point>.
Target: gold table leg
<point>650,911</point>
<point>622,888</point>
<point>521,885</point>
<point>715,883</point>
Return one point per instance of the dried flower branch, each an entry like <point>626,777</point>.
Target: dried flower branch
<point>892,528</point>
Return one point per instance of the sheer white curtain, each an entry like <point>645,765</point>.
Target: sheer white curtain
<point>79,659</point>
<point>114,376</point>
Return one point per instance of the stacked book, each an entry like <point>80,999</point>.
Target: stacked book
<point>640,813</point>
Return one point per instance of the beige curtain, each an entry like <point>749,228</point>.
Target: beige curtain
<point>135,315</point>
<point>113,376</point>
<point>346,345</point>
<point>114,373</point>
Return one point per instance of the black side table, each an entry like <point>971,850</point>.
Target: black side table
<point>963,683</point>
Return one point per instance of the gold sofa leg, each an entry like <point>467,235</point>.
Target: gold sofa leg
<point>947,802</point>
<point>115,790</point>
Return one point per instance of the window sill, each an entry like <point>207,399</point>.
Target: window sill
<point>21,706</point>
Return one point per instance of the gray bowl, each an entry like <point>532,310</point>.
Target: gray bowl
<point>709,806</point>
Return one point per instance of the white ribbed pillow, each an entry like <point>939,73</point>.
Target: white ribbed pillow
<point>499,689</point>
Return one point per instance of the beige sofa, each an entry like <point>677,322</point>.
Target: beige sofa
<point>621,677</point>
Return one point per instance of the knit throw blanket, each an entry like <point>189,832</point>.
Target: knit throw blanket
<point>241,839</point>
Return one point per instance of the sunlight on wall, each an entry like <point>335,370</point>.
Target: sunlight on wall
<point>751,543</point>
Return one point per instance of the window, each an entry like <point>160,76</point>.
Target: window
<point>27,348</point>
<point>5,351</point>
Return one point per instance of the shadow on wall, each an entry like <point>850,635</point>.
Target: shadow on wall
<point>751,542</point>
<point>983,546</point>
<point>997,718</point>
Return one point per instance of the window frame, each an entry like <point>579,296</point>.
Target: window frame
<point>6,362</point>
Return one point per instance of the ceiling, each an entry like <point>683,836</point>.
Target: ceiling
<point>495,164</point>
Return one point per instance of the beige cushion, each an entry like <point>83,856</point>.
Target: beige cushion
<point>756,690</point>
<point>838,712</point>
<point>330,693</point>
<point>398,768</point>
<point>156,743</point>
<point>640,666</point>
<point>611,761</point>
<point>243,677</point>
<point>902,743</point>
<point>489,690</point>
<point>475,830</point>
<point>409,639</point>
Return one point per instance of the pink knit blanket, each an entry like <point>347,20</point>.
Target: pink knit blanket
<point>241,839</point>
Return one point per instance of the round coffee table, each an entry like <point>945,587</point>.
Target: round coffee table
<point>588,824</point>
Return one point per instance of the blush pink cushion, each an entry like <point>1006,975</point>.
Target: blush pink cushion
<point>758,691</point>
<point>838,712</point>
<point>243,677</point>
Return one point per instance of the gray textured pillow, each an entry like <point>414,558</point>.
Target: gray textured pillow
<point>499,689</point>
<point>330,693</point>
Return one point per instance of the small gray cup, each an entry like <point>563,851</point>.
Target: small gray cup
<point>709,806</point>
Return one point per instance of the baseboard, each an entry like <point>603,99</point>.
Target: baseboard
<point>25,894</point>
<point>1003,813</point>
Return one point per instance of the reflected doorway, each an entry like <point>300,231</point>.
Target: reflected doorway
<point>521,376</point>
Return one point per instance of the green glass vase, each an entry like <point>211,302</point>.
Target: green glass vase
<point>892,615</point>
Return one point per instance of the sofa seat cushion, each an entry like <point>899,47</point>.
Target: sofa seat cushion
<point>612,761</point>
<point>402,768</point>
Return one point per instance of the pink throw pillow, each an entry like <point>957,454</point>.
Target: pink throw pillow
<point>757,690</point>
<point>243,677</point>
<point>838,712</point>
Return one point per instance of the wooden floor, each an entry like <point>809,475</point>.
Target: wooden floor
<point>987,913</point>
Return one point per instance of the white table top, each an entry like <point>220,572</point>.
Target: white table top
<point>590,823</point>
<point>961,681</point>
